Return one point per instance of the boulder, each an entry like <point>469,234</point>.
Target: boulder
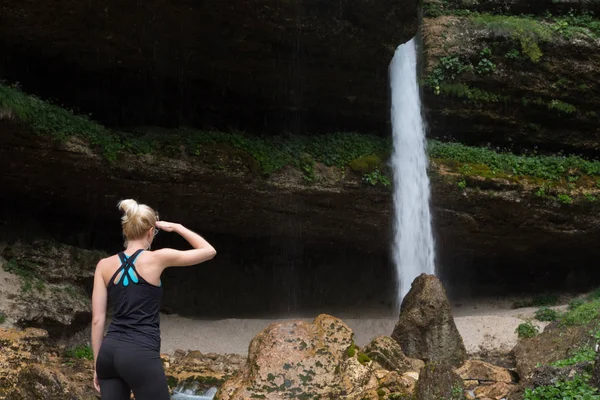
<point>388,353</point>
<point>477,370</point>
<point>496,391</point>
<point>426,328</point>
<point>297,359</point>
<point>31,370</point>
<point>439,381</point>
<point>549,346</point>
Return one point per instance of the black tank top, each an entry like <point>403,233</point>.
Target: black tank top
<point>136,304</point>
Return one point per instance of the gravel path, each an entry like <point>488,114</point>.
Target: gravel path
<point>488,325</point>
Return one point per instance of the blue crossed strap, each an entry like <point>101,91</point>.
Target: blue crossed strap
<point>127,269</point>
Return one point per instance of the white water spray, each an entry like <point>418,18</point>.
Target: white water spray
<point>413,240</point>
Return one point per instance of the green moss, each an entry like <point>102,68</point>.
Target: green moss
<point>363,358</point>
<point>83,352</point>
<point>351,350</point>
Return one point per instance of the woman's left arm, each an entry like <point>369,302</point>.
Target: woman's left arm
<point>99,300</point>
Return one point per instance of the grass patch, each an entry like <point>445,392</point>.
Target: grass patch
<point>583,314</point>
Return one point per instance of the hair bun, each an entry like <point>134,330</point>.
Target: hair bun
<point>130,207</point>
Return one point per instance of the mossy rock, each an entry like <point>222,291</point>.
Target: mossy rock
<point>366,163</point>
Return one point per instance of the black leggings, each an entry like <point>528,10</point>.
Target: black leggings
<point>124,367</point>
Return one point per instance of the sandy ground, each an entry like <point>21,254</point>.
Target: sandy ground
<point>487,325</point>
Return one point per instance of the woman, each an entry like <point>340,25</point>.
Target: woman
<point>128,358</point>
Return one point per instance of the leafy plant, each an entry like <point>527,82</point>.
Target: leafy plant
<point>462,184</point>
<point>546,314</point>
<point>581,355</point>
<point>485,65</point>
<point>526,330</point>
<point>448,69</point>
<point>573,304</point>
<point>376,177</point>
<point>577,388</point>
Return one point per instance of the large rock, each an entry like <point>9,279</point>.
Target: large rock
<point>386,351</point>
<point>426,328</point>
<point>439,381</point>
<point>297,359</point>
<point>553,344</point>
<point>258,64</point>
<point>30,369</point>
<point>41,285</point>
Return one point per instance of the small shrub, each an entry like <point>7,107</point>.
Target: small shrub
<point>462,184</point>
<point>84,352</point>
<point>546,314</point>
<point>2,317</point>
<point>513,54</point>
<point>565,198</point>
<point>375,177</point>
<point>526,330</point>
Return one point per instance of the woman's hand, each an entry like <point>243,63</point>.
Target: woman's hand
<point>166,226</point>
<point>96,383</point>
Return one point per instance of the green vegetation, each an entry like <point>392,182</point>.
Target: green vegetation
<point>2,318</point>
<point>582,314</point>
<point>546,314</point>
<point>363,358</point>
<point>27,274</point>
<point>528,31</point>
<point>83,352</point>
<point>469,94</point>
<point>545,167</point>
<point>526,330</point>
<point>562,107</point>
<point>576,388</point>
<point>351,350</point>
<point>362,153</point>
<point>581,355</point>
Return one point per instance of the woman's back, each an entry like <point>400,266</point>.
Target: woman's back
<point>135,303</point>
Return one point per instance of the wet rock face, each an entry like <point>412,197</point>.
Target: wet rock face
<point>249,64</point>
<point>426,328</point>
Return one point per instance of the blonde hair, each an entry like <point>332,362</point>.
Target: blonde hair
<point>137,219</point>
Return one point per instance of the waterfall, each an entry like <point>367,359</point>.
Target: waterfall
<point>413,241</point>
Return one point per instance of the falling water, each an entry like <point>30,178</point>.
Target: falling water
<point>413,240</point>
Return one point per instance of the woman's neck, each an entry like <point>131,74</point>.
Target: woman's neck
<point>135,245</point>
